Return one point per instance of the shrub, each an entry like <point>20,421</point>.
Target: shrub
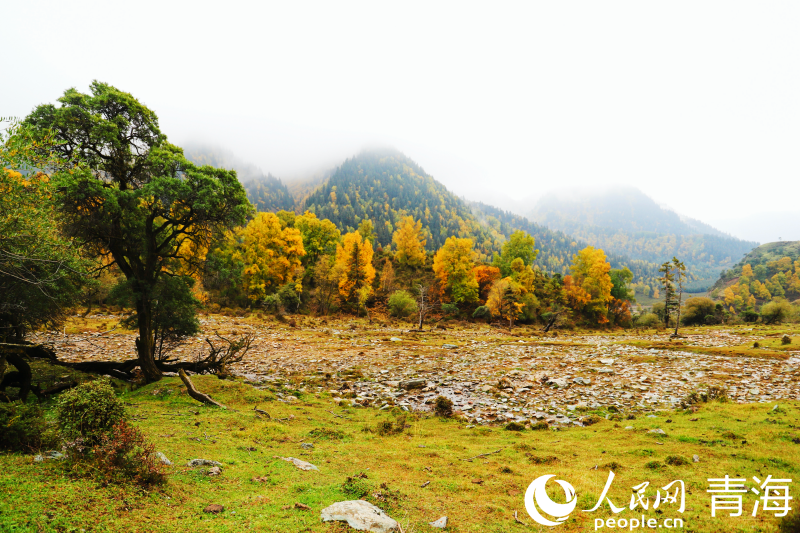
<point>676,460</point>
<point>443,407</point>
<point>271,303</point>
<point>648,320</point>
<point>775,312</point>
<point>790,523</point>
<point>356,487</point>
<point>711,394</point>
<point>402,304</point>
<point>482,312</point>
<point>786,340</point>
<point>537,426</point>
<point>125,455</point>
<point>289,298</point>
<point>653,465</point>
<point>514,426</point>
<point>23,427</point>
<point>450,309</point>
<point>591,420</point>
<point>89,411</point>
<point>696,310</point>
<point>539,460</point>
<point>748,315</point>
<point>387,427</point>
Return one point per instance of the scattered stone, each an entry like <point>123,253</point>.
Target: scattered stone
<point>302,506</point>
<point>657,432</point>
<point>441,523</point>
<point>629,427</point>
<point>652,416</point>
<point>396,339</point>
<point>302,465</point>
<point>607,361</point>
<point>203,462</point>
<point>360,515</point>
<point>163,458</point>
<point>696,458</point>
<point>449,346</point>
<point>412,384</point>
<point>560,383</point>
<point>50,454</point>
<point>307,445</point>
<point>214,508</point>
<point>214,471</point>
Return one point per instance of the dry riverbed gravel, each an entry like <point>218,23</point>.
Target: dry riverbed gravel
<point>489,376</point>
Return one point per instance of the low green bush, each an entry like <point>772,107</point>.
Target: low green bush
<point>89,412</point>
<point>402,304</point>
<point>24,428</point>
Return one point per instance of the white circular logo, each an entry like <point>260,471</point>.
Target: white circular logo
<point>536,495</point>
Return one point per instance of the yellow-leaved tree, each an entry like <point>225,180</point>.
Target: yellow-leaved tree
<point>454,266</point>
<point>505,300</point>
<point>409,242</point>
<point>271,255</point>
<point>354,268</point>
<point>590,272</point>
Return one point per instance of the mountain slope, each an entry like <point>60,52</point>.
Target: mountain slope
<point>266,192</point>
<point>624,221</point>
<point>768,256</point>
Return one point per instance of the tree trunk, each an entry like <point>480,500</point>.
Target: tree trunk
<point>678,318</point>
<point>145,344</point>
<point>24,377</point>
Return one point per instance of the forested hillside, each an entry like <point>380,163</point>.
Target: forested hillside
<point>266,192</point>
<point>766,279</point>
<point>624,221</point>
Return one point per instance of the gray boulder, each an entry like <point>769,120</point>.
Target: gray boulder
<point>203,462</point>
<point>360,515</point>
<point>163,458</point>
<point>441,523</point>
<point>412,384</point>
<point>302,465</point>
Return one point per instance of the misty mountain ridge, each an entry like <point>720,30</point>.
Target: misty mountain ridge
<point>383,185</point>
<point>618,207</point>
<point>623,220</point>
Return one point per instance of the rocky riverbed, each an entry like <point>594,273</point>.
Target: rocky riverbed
<point>489,375</point>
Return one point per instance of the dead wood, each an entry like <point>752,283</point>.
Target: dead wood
<point>261,412</point>
<point>196,394</point>
<point>483,455</point>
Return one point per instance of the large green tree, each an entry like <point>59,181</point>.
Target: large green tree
<point>133,197</point>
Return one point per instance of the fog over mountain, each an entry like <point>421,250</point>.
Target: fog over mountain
<point>510,101</point>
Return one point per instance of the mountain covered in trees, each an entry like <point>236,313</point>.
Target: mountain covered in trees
<point>765,260</point>
<point>383,186</point>
<point>266,192</point>
<point>625,221</point>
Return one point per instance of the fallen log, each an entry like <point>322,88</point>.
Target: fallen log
<point>196,394</point>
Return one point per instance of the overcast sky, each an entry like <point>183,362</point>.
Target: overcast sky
<point>696,103</point>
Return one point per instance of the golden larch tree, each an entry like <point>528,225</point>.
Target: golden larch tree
<point>354,266</point>
<point>409,241</point>
<point>271,255</point>
<point>590,272</point>
<point>454,265</point>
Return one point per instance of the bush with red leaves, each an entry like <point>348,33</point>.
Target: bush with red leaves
<point>125,456</point>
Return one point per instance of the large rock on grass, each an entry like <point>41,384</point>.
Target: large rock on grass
<point>360,515</point>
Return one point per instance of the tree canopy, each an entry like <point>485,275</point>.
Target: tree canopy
<point>128,194</point>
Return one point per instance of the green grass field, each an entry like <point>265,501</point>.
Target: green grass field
<point>478,495</point>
